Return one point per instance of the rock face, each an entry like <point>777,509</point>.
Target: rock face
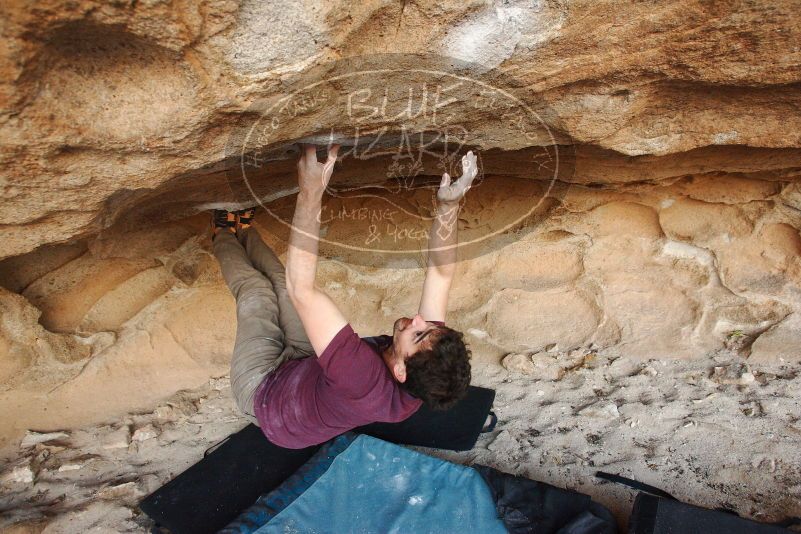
<point>640,190</point>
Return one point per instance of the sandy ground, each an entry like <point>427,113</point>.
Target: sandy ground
<point>713,432</point>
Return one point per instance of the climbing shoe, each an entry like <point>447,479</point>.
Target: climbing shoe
<point>245,217</point>
<point>223,220</point>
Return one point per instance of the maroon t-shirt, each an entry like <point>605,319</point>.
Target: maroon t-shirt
<point>308,401</point>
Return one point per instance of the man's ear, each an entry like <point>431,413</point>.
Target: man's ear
<point>399,370</point>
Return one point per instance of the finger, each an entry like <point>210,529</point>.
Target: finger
<point>332,152</point>
<point>328,166</point>
<point>446,180</point>
<point>311,153</point>
<point>470,167</point>
<point>467,181</point>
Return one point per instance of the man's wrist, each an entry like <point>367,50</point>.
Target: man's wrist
<point>448,204</point>
<point>307,196</point>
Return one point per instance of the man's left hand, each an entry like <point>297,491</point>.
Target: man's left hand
<point>450,193</point>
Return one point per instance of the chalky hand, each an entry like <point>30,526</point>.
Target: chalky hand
<point>453,192</point>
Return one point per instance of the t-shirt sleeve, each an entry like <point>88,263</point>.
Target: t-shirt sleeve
<point>350,364</point>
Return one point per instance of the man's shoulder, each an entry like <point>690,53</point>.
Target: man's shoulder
<point>350,362</point>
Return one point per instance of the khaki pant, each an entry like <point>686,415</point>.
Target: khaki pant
<point>268,329</point>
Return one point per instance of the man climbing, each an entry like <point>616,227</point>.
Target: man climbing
<point>299,371</point>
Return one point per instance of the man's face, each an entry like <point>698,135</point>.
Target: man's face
<point>410,336</point>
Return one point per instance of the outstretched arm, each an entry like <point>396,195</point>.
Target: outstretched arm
<point>443,241</point>
<point>320,316</point>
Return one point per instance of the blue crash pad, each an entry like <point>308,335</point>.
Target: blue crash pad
<point>371,485</point>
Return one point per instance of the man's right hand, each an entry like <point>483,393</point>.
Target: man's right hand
<point>319,314</point>
<point>313,176</point>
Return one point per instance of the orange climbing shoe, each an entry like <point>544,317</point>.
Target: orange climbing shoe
<point>223,220</point>
<point>245,217</point>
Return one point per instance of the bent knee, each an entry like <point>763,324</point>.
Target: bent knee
<point>255,300</point>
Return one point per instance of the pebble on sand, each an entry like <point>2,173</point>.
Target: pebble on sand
<point>22,474</point>
<point>32,438</point>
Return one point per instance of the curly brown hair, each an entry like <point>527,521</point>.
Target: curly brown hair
<point>439,376</point>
